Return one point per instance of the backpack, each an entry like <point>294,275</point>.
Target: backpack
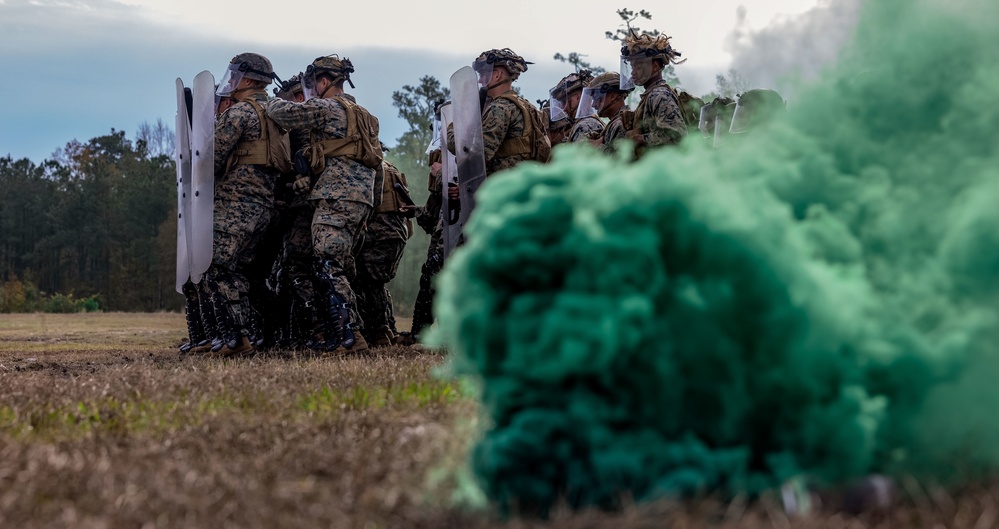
<point>534,142</point>
<point>272,150</point>
<point>690,107</point>
<point>361,140</point>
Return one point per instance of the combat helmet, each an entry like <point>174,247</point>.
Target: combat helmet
<point>638,49</point>
<point>288,88</point>
<point>245,66</point>
<point>505,58</point>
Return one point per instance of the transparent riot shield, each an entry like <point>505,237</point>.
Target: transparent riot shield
<point>449,178</point>
<point>203,173</point>
<point>468,148</point>
<point>182,157</point>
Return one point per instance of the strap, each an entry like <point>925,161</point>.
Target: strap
<point>522,144</point>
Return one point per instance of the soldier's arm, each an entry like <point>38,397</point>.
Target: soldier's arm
<point>669,126</point>
<point>495,124</point>
<point>303,116</point>
<point>228,129</point>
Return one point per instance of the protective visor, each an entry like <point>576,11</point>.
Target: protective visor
<point>590,102</point>
<point>230,80</point>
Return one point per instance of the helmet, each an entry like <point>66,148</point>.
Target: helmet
<point>596,92</point>
<point>332,65</point>
<point>644,46</point>
<point>756,107</point>
<point>506,58</point>
<point>254,66</point>
<point>289,87</point>
<point>571,83</point>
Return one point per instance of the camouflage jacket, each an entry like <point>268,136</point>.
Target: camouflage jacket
<point>386,226</point>
<point>658,116</point>
<point>586,128</point>
<point>614,130</point>
<point>343,178</point>
<point>501,119</point>
<point>241,183</point>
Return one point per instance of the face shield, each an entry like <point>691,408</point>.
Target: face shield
<point>743,117</point>
<point>706,123</point>
<point>309,82</point>
<point>558,103</point>
<point>636,71</point>
<point>590,102</point>
<point>484,69</point>
<point>723,120</point>
<point>230,79</point>
<point>435,137</point>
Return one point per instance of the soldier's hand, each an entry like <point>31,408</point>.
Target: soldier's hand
<point>409,211</point>
<point>435,170</point>
<point>302,184</point>
<point>452,192</point>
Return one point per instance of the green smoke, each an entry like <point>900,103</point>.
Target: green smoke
<point>816,300</point>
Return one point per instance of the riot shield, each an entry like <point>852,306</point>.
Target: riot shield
<point>182,157</point>
<point>203,174</point>
<point>449,177</point>
<point>468,148</point>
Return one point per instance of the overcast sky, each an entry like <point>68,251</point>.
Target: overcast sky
<point>77,68</point>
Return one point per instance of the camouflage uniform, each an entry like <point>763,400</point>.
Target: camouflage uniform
<point>501,120</point>
<point>586,128</point>
<point>244,204</point>
<point>658,116</point>
<point>343,194</point>
<point>378,261</point>
<point>431,219</point>
<point>614,130</point>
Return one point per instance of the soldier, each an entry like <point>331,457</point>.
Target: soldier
<point>756,108</point>
<point>658,119</point>
<point>430,219</point>
<point>344,151</point>
<point>385,236</point>
<point>507,139</point>
<point>557,130</point>
<point>605,95</point>
<point>244,201</point>
<point>715,118</point>
<point>565,97</point>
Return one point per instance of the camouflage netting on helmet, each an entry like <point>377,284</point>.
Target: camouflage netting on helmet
<point>649,46</point>
<point>818,300</point>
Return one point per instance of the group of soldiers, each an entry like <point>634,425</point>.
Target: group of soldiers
<point>304,242</point>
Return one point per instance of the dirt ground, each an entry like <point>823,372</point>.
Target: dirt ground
<point>102,425</point>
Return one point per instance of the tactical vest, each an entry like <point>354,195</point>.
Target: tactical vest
<point>360,143</point>
<point>641,105</point>
<point>534,142</point>
<point>272,150</point>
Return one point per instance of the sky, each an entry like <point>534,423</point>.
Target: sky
<point>78,68</point>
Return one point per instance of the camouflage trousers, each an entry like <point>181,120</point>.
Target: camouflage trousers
<point>336,225</point>
<point>237,227</point>
<point>423,315</point>
<point>377,263</point>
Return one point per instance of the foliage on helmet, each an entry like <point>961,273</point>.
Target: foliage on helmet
<point>649,46</point>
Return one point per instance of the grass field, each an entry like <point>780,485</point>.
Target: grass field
<point>103,426</point>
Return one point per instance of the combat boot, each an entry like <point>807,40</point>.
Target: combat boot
<point>243,348</point>
<point>381,338</point>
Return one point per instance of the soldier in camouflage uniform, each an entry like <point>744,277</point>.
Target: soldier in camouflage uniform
<point>244,202</point>
<point>557,130</point>
<point>565,98</point>
<point>343,197</point>
<point>658,119</point>
<point>610,101</point>
<point>378,258</point>
<point>502,119</point>
<point>430,218</point>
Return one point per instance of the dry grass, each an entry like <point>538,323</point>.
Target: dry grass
<point>102,426</point>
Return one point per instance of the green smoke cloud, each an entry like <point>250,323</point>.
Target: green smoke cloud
<point>815,300</point>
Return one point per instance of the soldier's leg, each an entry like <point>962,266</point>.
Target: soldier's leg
<point>335,226</point>
<point>423,309</point>
<point>237,224</point>
<point>196,333</point>
<point>378,264</point>
<point>298,257</point>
